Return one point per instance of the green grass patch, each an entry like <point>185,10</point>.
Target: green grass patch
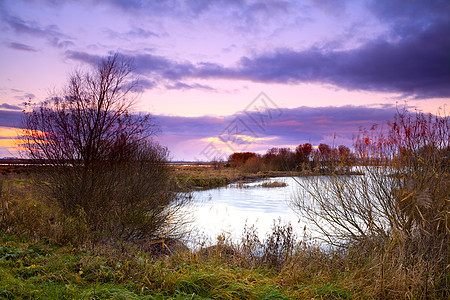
<point>42,271</point>
<point>202,182</point>
<point>273,184</point>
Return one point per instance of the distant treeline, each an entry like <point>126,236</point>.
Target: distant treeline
<point>323,159</point>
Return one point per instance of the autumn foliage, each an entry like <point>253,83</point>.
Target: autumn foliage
<point>322,159</point>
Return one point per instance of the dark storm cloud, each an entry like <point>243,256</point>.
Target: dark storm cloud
<point>408,16</point>
<point>417,65</point>
<point>22,47</point>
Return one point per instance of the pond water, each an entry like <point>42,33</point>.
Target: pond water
<point>227,210</point>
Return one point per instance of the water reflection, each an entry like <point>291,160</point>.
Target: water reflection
<point>228,209</point>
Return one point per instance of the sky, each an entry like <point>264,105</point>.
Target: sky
<point>235,75</point>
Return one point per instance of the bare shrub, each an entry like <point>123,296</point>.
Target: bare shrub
<point>404,188</point>
<point>251,248</point>
<point>103,168</point>
<point>273,251</point>
<point>278,245</point>
<point>395,216</point>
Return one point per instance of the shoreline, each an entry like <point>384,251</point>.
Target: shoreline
<point>190,178</point>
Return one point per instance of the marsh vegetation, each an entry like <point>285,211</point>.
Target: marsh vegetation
<point>100,216</point>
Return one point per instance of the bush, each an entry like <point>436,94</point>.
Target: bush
<point>128,200</point>
<point>274,251</point>
<point>253,165</point>
<point>103,170</point>
<point>395,216</point>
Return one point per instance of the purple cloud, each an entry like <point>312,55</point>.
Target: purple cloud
<point>22,47</point>
<point>417,65</point>
<point>9,106</point>
<point>294,125</point>
<point>184,86</point>
<point>412,58</point>
<point>22,95</point>
<point>141,33</point>
<point>10,118</point>
<point>288,127</point>
<point>51,33</point>
<point>144,84</point>
<point>138,32</point>
<point>204,126</point>
<point>144,64</point>
<point>83,57</point>
<point>406,17</point>
<point>190,8</point>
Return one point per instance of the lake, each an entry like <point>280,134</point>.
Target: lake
<point>226,210</point>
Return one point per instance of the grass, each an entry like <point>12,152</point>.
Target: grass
<point>187,178</point>
<point>45,271</point>
<point>36,270</point>
<point>196,177</point>
<point>273,184</point>
<point>202,182</point>
<point>36,265</point>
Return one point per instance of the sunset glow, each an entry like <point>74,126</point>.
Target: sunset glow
<point>325,68</point>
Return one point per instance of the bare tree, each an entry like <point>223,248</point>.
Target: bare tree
<point>104,168</point>
<point>91,122</point>
<point>404,189</point>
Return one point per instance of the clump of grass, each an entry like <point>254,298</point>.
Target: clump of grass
<point>267,184</point>
<point>23,211</point>
<point>188,183</point>
<point>273,184</point>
